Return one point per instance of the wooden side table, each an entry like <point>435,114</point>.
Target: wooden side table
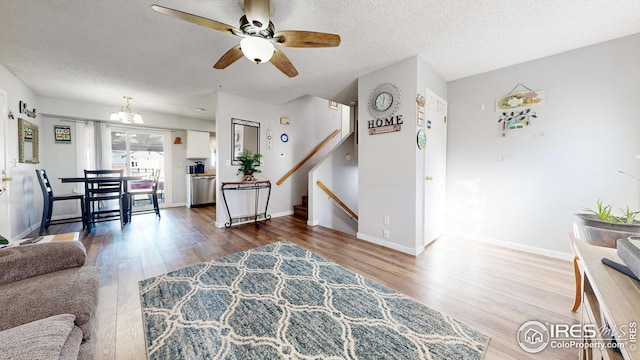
<point>610,301</point>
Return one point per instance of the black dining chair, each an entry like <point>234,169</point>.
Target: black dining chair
<point>49,198</point>
<point>102,187</point>
<point>151,192</point>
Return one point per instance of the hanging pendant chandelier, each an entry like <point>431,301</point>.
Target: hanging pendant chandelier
<point>126,114</point>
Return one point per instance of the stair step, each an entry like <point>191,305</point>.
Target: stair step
<point>305,200</point>
<point>300,211</point>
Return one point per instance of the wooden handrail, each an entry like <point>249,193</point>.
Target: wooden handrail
<point>313,152</point>
<point>337,199</point>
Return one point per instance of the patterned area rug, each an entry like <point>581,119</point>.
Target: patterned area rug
<point>282,302</point>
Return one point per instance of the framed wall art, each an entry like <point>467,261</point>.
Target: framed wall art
<point>62,134</point>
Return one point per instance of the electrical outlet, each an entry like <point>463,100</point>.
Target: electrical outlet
<point>387,220</point>
<point>385,233</point>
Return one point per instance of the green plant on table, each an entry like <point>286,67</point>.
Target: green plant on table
<point>603,212</point>
<point>249,163</point>
<point>629,216</point>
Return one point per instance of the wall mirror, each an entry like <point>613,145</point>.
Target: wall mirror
<point>27,142</point>
<point>244,135</point>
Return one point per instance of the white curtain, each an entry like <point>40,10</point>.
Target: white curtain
<point>104,146</point>
<point>85,146</point>
<point>85,149</point>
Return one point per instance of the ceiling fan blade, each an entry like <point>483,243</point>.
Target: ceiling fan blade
<point>306,39</point>
<point>257,12</point>
<point>198,20</point>
<point>282,62</point>
<point>229,58</point>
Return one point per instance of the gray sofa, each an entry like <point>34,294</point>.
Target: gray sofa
<point>48,301</point>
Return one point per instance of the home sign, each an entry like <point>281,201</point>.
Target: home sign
<point>22,106</point>
<point>381,126</point>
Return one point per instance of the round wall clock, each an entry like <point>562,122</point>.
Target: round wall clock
<point>384,100</point>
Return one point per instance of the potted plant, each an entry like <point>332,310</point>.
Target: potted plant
<point>249,163</point>
<point>602,228</point>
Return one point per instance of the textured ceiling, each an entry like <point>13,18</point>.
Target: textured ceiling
<point>99,50</point>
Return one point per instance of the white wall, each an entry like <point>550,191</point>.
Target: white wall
<point>390,165</point>
<point>311,121</point>
<point>24,191</point>
<point>51,155</point>
<point>339,172</point>
<point>90,111</point>
<point>523,189</point>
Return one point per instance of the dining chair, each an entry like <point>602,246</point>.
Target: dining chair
<point>152,192</point>
<point>49,198</point>
<point>102,187</point>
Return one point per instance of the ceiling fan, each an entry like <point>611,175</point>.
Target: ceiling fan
<point>258,36</point>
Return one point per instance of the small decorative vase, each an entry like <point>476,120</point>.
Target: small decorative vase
<point>249,177</point>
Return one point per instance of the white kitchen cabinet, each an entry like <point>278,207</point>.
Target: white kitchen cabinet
<point>198,145</point>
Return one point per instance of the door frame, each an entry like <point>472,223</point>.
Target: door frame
<point>166,145</point>
<point>5,200</point>
<point>437,217</point>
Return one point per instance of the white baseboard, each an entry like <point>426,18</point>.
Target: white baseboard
<point>281,214</point>
<point>313,222</point>
<point>389,244</point>
<point>27,231</point>
<point>510,245</point>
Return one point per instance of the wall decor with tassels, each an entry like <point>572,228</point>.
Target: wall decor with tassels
<point>516,107</point>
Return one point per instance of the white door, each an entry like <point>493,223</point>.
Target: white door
<point>434,166</point>
<point>5,220</point>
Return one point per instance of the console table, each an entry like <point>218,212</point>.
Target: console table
<point>610,301</point>
<point>247,186</point>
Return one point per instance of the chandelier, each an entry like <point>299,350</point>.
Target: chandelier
<point>126,114</point>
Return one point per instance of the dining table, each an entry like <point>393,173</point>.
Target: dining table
<point>80,179</point>
<point>125,182</point>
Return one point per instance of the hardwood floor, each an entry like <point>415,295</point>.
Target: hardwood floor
<point>490,288</point>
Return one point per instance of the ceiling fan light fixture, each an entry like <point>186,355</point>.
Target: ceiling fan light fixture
<point>257,49</point>
<point>257,13</point>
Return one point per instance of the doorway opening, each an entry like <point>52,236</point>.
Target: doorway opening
<point>139,153</point>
